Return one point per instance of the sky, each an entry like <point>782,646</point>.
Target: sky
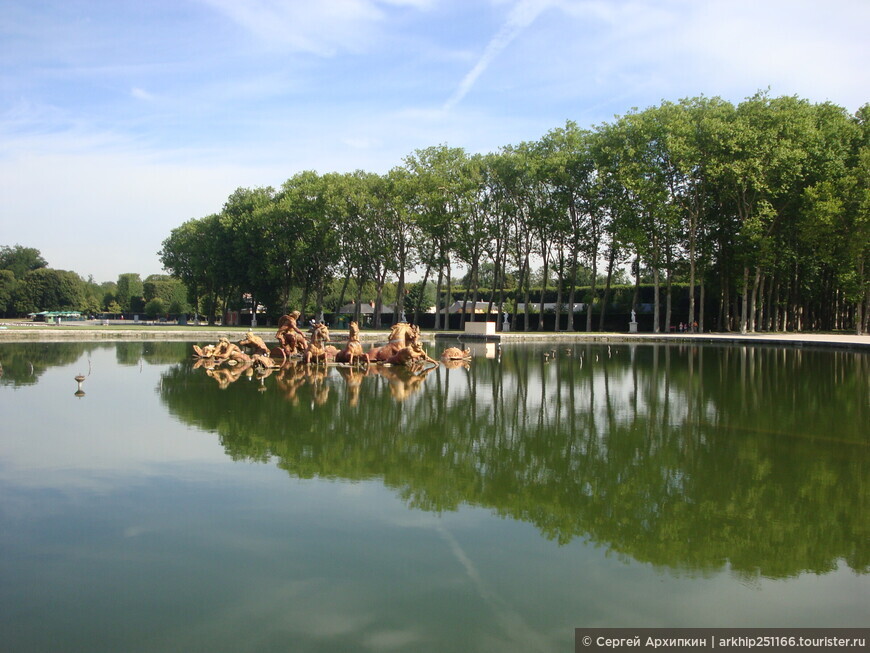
<point>122,119</point>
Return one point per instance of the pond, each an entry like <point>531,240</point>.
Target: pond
<point>488,507</point>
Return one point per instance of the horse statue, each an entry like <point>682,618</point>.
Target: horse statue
<point>316,351</point>
<point>402,335</point>
<point>353,352</point>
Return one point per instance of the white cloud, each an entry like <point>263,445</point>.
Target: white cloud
<point>104,209</point>
<point>141,94</point>
<point>321,28</point>
<point>519,18</point>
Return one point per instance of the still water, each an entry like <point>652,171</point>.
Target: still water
<point>493,507</point>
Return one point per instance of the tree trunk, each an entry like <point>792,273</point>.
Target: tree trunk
<point>753,296</point>
<point>357,308</point>
<point>527,299</point>
<point>379,298</point>
<point>744,314</point>
<point>592,289</point>
<point>692,238</point>
<point>610,263</point>
<point>422,295</point>
<point>474,291</point>
<point>399,308</point>
<point>636,296</point>
<point>572,293</point>
<point>558,312</point>
<point>543,287</point>
<point>340,295</point>
<point>438,307</point>
<point>862,307</point>
<point>449,298</point>
<point>668,301</point>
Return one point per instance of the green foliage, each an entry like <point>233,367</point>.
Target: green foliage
<point>155,307</point>
<point>172,292</point>
<point>767,198</point>
<point>7,290</point>
<point>20,260</point>
<point>420,297</point>
<point>130,292</point>
<point>46,289</point>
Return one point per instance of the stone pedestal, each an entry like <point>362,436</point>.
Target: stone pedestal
<point>632,327</point>
<point>480,328</point>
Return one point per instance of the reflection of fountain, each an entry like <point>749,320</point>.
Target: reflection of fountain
<point>80,379</point>
<point>630,449</point>
<point>484,349</point>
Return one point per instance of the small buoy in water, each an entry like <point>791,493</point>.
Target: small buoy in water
<point>80,379</point>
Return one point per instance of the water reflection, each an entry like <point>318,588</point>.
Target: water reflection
<point>692,458</point>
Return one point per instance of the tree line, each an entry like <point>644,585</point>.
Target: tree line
<point>761,207</point>
<point>29,285</point>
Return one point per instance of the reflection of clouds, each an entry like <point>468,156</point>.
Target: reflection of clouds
<point>135,531</point>
<point>392,640</point>
<point>59,443</point>
<point>511,623</point>
<point>280,613</point>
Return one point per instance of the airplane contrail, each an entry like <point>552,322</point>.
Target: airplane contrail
<point>520,17</point>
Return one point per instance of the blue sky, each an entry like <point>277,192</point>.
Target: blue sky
<point>121,119</point>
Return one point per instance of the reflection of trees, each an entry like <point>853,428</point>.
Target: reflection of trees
<point>23,363</point>
<point>153,352</point>
<point>685,457</point>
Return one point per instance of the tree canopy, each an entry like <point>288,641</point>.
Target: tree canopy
<point>760,207</point>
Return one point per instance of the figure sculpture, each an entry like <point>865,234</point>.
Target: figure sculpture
<point>290,337</point>
<point>316,350</point>
<point>455,353</point>
<point>353,351</point>
<point>404,350</point>
<point>401,335</point>
<point>256,344</point>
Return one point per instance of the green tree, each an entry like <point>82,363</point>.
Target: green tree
<point>315,252</point>
<point>46,289</point>
<point>836,223</point>
<point>244,250</point>
<point>171,291</point>
<point>7,291</point>
<point>155,308</point>
<point>130,291</point>
<point>442,195</point>
<point>21,260</point>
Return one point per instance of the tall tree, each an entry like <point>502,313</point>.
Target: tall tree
<point>130,292</point>
<point>20,260</point>
<point>46,289</point>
